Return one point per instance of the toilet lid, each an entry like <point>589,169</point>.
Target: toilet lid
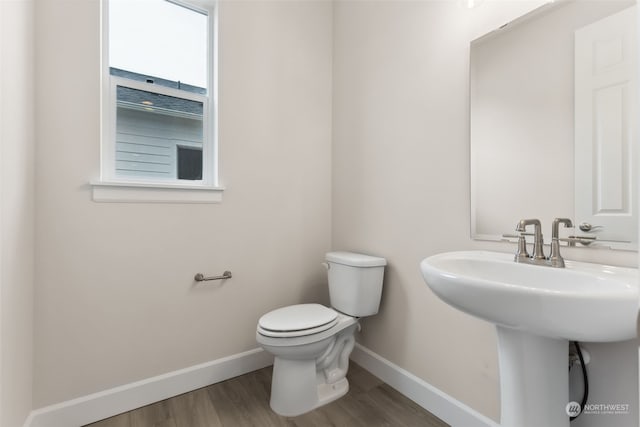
<point>300,319</point>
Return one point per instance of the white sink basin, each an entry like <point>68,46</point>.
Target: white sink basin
<point>536,310</point>
<point>582,302</point>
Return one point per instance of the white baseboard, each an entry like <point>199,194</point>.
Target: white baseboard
<point>445,407</point>
<point>104,404</point>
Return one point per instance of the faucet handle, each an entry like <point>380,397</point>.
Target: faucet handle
<point>521,253</point>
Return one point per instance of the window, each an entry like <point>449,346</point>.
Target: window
<point>158,114</point>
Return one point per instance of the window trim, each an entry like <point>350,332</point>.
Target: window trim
<point>119,191</point>
<point>108,180</point>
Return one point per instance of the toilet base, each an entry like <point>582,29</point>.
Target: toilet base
<point>327,393</point>
<point>299,391</point>
<point>310,371</point>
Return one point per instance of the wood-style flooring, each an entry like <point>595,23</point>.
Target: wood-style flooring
<point>244,402</point>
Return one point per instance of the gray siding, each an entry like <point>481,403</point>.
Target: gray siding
<point>146,142</point>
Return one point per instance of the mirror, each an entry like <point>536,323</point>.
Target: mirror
<point>553,107</point>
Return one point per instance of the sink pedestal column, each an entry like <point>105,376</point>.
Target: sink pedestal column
<point>534,379</point>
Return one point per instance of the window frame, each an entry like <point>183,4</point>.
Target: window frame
<point>108,178</point>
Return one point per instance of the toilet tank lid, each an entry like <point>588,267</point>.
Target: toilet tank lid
<point>355,260</point>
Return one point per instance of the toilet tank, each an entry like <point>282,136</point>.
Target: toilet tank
<point>355,282</point>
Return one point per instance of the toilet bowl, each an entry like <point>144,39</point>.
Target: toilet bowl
<point>310,364</point>
<point>311,343</point>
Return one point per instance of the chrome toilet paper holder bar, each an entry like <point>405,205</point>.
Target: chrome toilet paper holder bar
<point>199,277</point>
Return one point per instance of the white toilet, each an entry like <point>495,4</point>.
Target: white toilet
<point>312,343</point>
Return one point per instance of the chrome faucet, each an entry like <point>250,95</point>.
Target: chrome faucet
<point>538,258</point>
<point>555,259</point>
<point>538,252</point>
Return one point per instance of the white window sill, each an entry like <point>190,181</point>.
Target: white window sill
<point>142,192</point>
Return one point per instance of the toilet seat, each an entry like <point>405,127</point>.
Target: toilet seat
<point>297,320</point>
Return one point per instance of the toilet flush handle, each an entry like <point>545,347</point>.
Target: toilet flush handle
<point>325,265</point>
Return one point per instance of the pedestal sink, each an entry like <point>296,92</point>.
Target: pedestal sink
<point>537,310</point>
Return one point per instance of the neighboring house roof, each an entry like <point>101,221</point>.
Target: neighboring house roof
<point>136,98</point>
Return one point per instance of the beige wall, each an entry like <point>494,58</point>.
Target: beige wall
<point>115,300</point>
<point>401,179</point>
<point>17,140</point>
